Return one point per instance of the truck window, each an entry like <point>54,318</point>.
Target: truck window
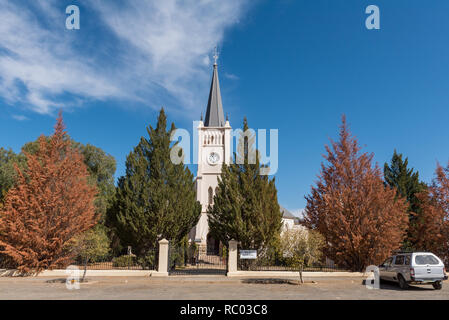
<point>387,262</point>
<point>426,259</point>
<point>407,260</point>
<point>399,260</point>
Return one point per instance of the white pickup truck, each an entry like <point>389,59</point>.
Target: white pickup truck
<point>414,268</point>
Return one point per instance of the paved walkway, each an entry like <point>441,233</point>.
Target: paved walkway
<point>201,288</point>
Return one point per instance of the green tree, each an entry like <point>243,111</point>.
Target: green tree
<point>407,184</point>
<point>101,167</point>
<point>156,198</point>
<point>245,207</point>
<point>8,175</point>
<point>91,245</point>
<point>301,248</point>
<point>8,178</point>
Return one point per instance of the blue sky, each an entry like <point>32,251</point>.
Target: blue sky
<point>296,66</point>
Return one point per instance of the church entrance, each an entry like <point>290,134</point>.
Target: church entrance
<point>193,261</point>
<point>213,246</point>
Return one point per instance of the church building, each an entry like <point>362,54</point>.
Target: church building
<point>214,134</point>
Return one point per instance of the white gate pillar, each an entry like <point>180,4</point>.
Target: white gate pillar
<point>162,269</point>
<point>232,258</point>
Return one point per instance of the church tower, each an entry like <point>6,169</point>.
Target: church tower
<point>214,136</point>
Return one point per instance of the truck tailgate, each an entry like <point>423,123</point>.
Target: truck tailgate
<point>429,272</point>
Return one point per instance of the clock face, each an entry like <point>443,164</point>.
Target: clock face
<point>213,158</point>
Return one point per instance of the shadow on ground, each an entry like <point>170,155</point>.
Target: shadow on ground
<point>64,280</point>
<point>202,271</point>
<point>386,285</point>
<point>274,281</point>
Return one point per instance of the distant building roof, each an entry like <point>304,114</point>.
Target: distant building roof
<point>286,214</point>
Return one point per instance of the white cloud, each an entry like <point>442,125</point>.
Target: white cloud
<point>19,117</point>
<point>38,64</point>
<point>173,38</point>
<point>231,76</point>
<point>160,46</point>
<point>206,60</point>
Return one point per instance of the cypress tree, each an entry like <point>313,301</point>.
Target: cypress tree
<point>407,184</point>
<point>245,206</point>
<point>155,199</point>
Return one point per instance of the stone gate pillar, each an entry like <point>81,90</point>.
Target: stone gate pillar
<point>162,269</point>
<point>232,258</point>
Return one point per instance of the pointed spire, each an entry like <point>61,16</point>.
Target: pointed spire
<point>214,112</point>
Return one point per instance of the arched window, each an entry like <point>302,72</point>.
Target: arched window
<point>211,195</point>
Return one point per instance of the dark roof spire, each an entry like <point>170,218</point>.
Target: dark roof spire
<point>214,112</point>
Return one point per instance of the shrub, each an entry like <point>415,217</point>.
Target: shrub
<point>148,261</point>
<point>123,261</point>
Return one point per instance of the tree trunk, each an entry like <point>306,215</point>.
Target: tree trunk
<point>85,269</point>
<point>300,273</point>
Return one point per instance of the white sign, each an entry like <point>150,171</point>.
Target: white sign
<point>248,254</point>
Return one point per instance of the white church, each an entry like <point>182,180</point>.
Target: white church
<point>214,134</point>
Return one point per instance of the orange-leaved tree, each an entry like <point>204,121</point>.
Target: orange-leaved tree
<point>51,203</point>
<point>430,232</point>
<point>361,219</point>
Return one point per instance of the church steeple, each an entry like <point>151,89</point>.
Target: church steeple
<point>214,112</point>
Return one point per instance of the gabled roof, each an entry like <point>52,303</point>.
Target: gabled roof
<point>214,112</point>
<point>286,214</point>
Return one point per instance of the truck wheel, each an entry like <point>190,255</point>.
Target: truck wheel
<point>437,285</point>
<point>402,283</point>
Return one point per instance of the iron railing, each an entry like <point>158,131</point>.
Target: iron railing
<point>122,262</point>
<point>187,261</point>
<point>266,262</point>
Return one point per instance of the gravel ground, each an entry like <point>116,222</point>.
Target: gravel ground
<point>211,288</point>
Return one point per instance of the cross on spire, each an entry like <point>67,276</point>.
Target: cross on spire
<point>215,56</point>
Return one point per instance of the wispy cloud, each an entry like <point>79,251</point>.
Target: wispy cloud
<point>37,64</point>
<point>19,117</point>
<point>231,76</point>
<point>159,51</point>
<point>173,38</point>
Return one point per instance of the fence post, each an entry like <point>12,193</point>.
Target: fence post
<point>162,270</point>
<point>232,257</point>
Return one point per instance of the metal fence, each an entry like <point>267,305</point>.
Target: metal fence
<point>267,262</point>
<point>185,261</point>
<point>122,262</point>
